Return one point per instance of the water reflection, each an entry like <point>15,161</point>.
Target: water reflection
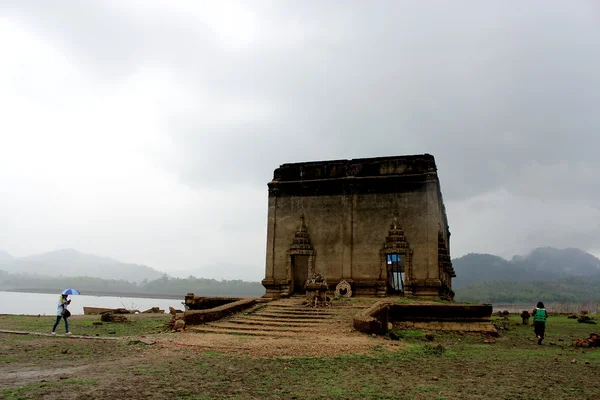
<point>45,304</point>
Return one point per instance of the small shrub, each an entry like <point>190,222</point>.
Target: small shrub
<point>409,333</point>
<point>433,349</point>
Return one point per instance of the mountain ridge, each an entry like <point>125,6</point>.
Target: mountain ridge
<point>71,262</point>
<point>555,275</point>
<point>541,264</point>
<point>5,257</point>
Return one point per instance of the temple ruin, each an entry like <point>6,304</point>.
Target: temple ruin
<point>377,226</point>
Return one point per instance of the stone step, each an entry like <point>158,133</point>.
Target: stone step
<point>271,322</point>
<point>331,309</point>
<point>257,318</point>
<point>268,328</point>
<point>286,305</point>
<point>299,312</point>
<point>254,308</point>
<point>291,316</point>
<point>298,307</point>
<point>206,329</point>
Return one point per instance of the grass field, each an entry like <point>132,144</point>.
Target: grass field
<point>452,366</point>
<point>139,324</point>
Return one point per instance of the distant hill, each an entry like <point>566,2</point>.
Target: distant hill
<point>555,275</point>
<point>70,262</point>
<point>5,258</point>
<point>163,286</point>
<point>542,264</point>
<point>559,262</point>
<point>474,268</point>
<point>575,289</point>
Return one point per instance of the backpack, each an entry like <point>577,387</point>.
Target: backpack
<point>540,315</point>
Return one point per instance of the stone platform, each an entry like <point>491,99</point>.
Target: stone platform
<point>430,315</point>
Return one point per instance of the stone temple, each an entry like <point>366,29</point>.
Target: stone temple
<point>378,224</point>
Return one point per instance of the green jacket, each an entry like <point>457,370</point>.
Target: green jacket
<point>540,315</point>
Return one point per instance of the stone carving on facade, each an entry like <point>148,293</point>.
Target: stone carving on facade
<point>316,289</point>
<point>353,169</point>
<point>301,245</point>
<point>395,243</point>
<point>315,279</point>
<point>343,289</point>
<point>446,271</point>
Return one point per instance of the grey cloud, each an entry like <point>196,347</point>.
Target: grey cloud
<point>495,104</point>
<point>505,95</point>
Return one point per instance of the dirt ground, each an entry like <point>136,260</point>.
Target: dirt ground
<point>342,364</point>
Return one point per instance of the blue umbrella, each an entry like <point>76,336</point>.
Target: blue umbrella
<point>70,291</point>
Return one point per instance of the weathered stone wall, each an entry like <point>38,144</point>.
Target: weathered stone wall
<point>324,223</point>
<point>348,207</point>
<point>440,312</point>
<point>195,317</point>
<point>193,302</point>
<point>447,317</point>
<point>373,319</point>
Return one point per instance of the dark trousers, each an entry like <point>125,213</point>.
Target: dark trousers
<point>539,328</point>
<point>58,317</point>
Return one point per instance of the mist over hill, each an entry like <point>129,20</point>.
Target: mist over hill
<point>557,275</point>
<point>5,257</point>
<point>53,271</point>
<point>542,264</point>
<point>70,262</point>
<point>572,289</point>
<point>164,286</point>
<point>564,275</point>
<point>559,263</point>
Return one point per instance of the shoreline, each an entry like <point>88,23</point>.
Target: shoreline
<point>166,296</point>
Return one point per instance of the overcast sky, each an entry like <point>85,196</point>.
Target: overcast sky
<point>147,130</point>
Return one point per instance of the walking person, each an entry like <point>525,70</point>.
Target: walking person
<point>62,312</point>
<point>539,321</point>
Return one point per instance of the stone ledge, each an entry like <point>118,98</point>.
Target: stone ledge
<point>195,317</point>
<point>445,317</point>
<point>373,319</point>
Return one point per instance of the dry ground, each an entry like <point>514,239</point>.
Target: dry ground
<point>338,364</point>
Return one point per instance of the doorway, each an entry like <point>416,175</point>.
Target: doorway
<point>300,272</point>
<point>395,273</point>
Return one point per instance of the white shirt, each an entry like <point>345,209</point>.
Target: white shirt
<point>62,305</point>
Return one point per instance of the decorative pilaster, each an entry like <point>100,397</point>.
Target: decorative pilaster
<point>395,243</point>
<point>446,271</point>
<point>301,245</point>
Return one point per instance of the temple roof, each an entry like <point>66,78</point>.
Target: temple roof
<point>358,167</point>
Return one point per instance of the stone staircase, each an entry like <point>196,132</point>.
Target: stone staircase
<point>281,318</point>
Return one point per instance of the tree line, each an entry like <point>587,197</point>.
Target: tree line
<point>165,285</point>
<point>565,290</point>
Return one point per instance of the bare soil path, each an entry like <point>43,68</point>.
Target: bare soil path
<point>323,358</point>
<point>286,327</point>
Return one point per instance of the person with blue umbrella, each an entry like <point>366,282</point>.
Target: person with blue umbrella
<point>62,311</point>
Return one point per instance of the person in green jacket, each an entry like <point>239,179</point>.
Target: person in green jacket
<point>539,321</point>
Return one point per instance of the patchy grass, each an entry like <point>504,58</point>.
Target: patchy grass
<point>557,327</point>
<point>18,350</point>
<point>410,334</point>
<point>37,390</point>
<point>416,372</point>
<point>452,366</point>
<point>138,324</point>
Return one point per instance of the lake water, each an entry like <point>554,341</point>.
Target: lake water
<point>45,304</point>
